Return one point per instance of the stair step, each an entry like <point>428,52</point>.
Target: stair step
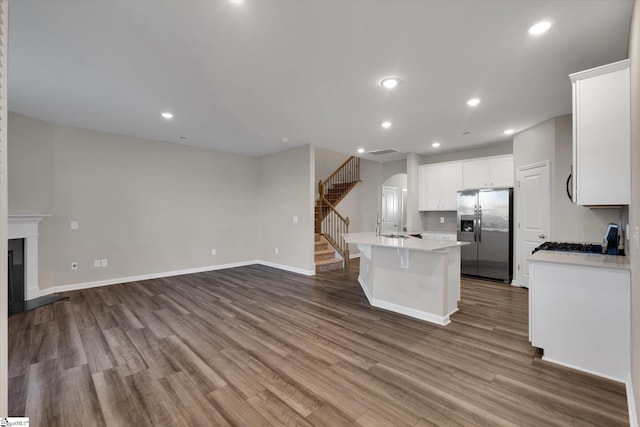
<point>328,265</point>
<point>319,246</point>
<point>324,254</point>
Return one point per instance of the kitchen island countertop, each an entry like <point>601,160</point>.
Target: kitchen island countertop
<point>413,243</point>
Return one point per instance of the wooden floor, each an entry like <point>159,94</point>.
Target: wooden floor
<point>256,346</point>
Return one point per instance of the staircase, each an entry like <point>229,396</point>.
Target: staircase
<point>329,223</point>
<point>325,255</point>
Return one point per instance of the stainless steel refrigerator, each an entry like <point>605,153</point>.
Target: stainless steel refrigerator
<point>485,220</point>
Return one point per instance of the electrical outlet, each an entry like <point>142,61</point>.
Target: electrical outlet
<point>295,219</point>
<point>104,262</point>
<point>276,250</point>
<point>74,225</point>
<point>96,263</point>
<point>213,252</point>
<point>441,220</point>
<point>74,265</point>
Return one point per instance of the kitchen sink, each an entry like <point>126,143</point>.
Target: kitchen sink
<point>395,235</point>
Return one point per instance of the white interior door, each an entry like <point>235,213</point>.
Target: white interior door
<point>389,209</point>
<point>533,199</point>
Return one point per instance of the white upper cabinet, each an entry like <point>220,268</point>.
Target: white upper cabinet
<point>601,135</point>
<point>438,186</point>
<point>489,172</point>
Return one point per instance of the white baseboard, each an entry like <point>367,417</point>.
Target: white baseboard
<point>599,374</point>
<point>86,285</point>
<point>287,268</point>
<point>631,404</point>
<point>411,312</point>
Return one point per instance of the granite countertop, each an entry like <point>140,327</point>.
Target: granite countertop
<point>413,243</point>
<point>582,259</point>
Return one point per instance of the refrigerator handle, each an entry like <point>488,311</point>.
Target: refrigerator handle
<point>475,223</point>
<point>479,223</point>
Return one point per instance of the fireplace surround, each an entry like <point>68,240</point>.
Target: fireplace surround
<point>26,227</point>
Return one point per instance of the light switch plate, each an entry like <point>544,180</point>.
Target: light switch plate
<point>96,263</point>
<point>104,262</point>
<point>74,225</point>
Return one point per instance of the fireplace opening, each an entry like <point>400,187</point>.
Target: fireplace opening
<point>16,276</point>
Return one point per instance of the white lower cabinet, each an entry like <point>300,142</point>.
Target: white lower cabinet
<point>580,315</point>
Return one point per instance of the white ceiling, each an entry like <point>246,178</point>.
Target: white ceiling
<point>241,77</point>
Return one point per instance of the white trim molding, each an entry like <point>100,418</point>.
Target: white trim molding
<point>287,268</point>
<point>418,314</point>
<point>631,403</point>
<point>26,227</point>
<point>118,280</point>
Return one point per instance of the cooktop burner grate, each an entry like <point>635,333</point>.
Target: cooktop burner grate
<point>569,247</point>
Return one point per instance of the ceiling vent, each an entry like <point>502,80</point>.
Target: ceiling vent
<point>383,151</point>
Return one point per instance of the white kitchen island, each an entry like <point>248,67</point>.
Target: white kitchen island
<point>416,277</point>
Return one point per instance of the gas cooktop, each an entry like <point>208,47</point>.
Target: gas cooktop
<point>569,247</point>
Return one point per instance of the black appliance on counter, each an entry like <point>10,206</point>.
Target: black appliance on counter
<point>611,238</point>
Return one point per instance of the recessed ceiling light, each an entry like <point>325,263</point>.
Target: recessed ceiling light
<point>167,115</point>
<point>386,125</point>
<point>539,28</point>
<point>285,139</point>
<point>509,132</point>
<point>435,145</point>
<point>236,1</point>
<point>389,82</point>
<point>473,102</point>
<point>360,150</point>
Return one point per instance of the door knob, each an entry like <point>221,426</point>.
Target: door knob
<point>541,236</point>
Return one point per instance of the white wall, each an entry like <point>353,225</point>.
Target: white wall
<point>326,162</point>
<point>286,189</point>
<point>362,204</point>
<point>634,209</point>
<point>552,140</point>
<point>31,181</point>
<point>148,207</point>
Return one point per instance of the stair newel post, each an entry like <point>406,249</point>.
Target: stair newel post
<point>346,245</point>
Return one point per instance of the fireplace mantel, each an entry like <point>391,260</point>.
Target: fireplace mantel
<point>26,227</point>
